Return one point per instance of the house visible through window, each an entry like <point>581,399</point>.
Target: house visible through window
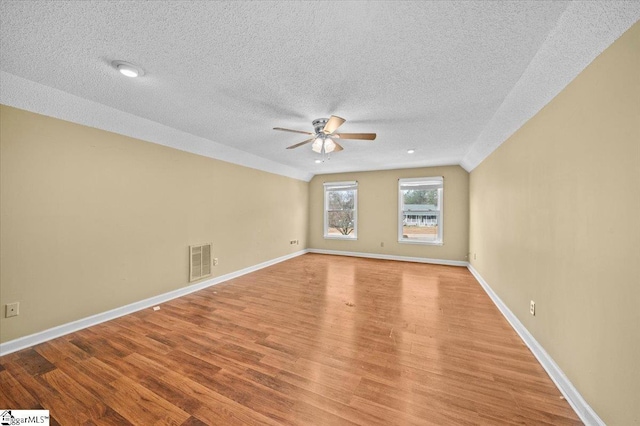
<point>341,210</point>
<point>420,210</point>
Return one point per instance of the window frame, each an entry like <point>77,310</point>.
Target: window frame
<point>432,180</point>
<point>331,186</point>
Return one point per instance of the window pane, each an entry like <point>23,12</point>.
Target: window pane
<point>422,196</point>
<point>416,232</point>
<point>340,222</point>
<point>341,200</point>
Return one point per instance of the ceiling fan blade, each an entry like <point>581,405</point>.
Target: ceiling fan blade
<point>363,136</point>
<point>292,131</point>
<point>301,143</point>
<point>338,147</point>
<point>333,124</point>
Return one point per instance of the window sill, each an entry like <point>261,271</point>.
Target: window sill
<point>332,237</point>
<point>422,243</point>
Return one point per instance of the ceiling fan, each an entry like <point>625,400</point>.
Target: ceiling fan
<point>324,136</point>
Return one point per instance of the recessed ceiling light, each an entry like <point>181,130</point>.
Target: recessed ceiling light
<point>318,161</point>
<point>127,69</point>
<point>411,151</point>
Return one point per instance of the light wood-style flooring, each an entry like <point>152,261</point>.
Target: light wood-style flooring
<point>318,340</point>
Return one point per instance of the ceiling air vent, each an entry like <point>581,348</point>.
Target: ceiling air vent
<point>200,262</point>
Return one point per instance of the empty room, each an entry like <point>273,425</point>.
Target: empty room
<point>319,212</point>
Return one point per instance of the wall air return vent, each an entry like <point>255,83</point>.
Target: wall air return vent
<point>200,262</point>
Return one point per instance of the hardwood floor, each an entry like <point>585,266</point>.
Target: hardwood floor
<point>317,339</point>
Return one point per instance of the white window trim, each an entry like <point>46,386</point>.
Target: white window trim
<point>440,240</point>
<point>337,185</point>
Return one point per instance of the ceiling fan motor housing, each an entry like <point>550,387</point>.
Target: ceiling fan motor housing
<point>318,124</point>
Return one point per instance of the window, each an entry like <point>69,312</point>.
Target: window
<point>341,210</point>
<point>420,210</point>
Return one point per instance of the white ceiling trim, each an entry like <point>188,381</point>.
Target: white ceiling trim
<point>584,31</point>
<point>35,97</point>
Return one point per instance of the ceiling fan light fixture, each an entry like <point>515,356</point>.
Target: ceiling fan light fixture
<point>329,145</point>
<point>316,146</point>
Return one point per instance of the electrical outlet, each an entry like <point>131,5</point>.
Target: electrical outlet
<point>474,256</point>
<point>532,308</point>
<point>215,261</point>
<point>12,310</point>
<point>382,244</point>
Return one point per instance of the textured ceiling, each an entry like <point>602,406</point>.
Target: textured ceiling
<point>451,80</point>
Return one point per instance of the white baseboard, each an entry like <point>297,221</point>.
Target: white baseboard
<point>392,257</point>
<point>43,336</point>
<point>571,394</point>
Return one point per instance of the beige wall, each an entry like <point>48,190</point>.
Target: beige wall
<point>555,218</point>
<point>91,220</point>
<point>378,213</point>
